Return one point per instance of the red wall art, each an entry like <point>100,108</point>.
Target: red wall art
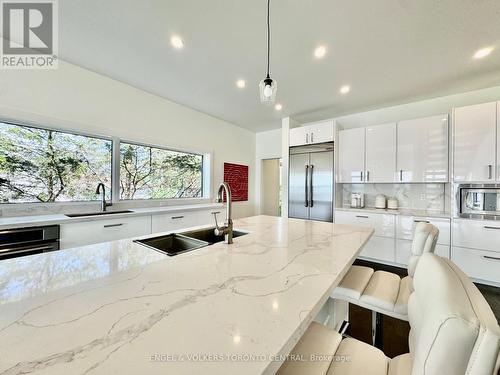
<point>236,176</point>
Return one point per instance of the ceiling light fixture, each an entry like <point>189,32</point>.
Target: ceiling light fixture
<point>278,107</point>
<point>177,42</point>
<point>345,89</point>
<point>268,86</point>
<point>241,83</point>
<point>320,52</point>
<point>483,52</point>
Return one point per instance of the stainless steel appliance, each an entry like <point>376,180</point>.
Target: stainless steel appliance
<point>310,188</point>
<point>357,200</point>
<point>479,201</point>
<point>28,241</point>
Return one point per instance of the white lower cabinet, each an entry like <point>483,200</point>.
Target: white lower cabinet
<point>379,249</point>
<point>384,224</point>
<point>479,264</point>
<point>403,251</point>
<point>102,230</point>
<point>477,234</point>
<point>179,220</point>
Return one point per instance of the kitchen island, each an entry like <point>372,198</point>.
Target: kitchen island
<point>122,308</point>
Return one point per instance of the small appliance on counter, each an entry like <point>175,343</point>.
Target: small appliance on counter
<point>392,203</point>
<point>357,200</point>
<point>380,201</point>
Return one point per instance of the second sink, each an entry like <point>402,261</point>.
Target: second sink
<point>208,235</point>
<point>172,244</point>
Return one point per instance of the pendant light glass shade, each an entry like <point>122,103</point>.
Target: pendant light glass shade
<point>267,89</point>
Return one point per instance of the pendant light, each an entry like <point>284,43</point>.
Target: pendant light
<point>268,86</point>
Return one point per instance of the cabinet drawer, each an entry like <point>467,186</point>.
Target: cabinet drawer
<point>96,231</point>
<point>384,224</point>
<point>403,251</point>
<point>174,221</point>
<point>379,248</point>
<point>206,217</point>
<point>481,235</point>
<point>406,227</point>
<point>478,264</point>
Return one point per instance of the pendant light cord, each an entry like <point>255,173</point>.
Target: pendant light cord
<point>268,38</point>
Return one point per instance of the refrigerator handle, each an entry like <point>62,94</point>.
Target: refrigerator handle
<point>311,202</point>
<point>306,200</point>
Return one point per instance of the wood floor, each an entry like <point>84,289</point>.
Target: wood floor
<point>394,337</point>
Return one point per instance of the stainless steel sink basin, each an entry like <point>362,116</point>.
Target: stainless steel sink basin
<point>100,213</point>
<point>209,236</point>
<point>173,244</point>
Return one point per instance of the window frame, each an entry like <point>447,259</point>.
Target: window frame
<point>164,148</point>
<point>206,172</point>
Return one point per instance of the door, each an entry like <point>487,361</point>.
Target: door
<point>423,149</point>
<point>380,153</point>
<point>297,202</point>
<point>351,155</point>
<point>474,143</point>
<point>271,187</point>
<point>321,186</point>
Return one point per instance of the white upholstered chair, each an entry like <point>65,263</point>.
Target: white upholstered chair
<point>453,332</point>
<point>385,292</point>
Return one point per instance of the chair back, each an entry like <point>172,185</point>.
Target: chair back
<point>424,241</point>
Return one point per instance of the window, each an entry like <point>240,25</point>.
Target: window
<point>155,173</point>
<point>41,165</point>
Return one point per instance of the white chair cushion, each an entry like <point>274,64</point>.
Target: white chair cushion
<point>400,365</point>
<point>354,283</point>
<point>354,357</point>
<point>405,289</point>
<point>382,290</point>
<point>317,340</point>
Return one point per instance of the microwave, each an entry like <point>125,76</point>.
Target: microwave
<point>479,201</point>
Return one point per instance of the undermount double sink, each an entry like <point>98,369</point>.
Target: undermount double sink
<point>178,243</point>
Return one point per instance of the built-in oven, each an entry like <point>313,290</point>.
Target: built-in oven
<point>28,241</point>
<point>479,201</point>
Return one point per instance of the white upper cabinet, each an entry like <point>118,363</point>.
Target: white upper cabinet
<point>319,132</point>
<point>474,142</point>
<point>380,153</point>
<point>422,150</point>
<point>351,147</point>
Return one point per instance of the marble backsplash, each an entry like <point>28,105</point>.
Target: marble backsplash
<point>410,196</point>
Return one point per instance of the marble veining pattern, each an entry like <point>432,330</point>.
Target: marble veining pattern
<point>139,311</point>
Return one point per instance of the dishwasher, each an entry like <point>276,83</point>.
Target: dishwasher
<point>20,242</point>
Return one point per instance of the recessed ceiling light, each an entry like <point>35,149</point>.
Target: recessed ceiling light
<point>345,89</point>
<point>241,83</point>
<point>177,42</point>
<point>320,52</point>
<point>483,52</point>
<point>278,107</point>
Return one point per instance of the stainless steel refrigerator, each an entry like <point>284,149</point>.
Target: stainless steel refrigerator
<point>310,187</point>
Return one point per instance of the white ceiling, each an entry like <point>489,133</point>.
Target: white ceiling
<point>389,51</point>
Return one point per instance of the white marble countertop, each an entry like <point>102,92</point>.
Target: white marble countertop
<point>121,308</point>
<point>40,220</point>
<point>401,211</point>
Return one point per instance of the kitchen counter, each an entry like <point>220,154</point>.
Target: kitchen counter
<point>40,220</point>
<point>121,308</point>
<point>402,211</point>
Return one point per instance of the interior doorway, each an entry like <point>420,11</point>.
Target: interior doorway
<point>271,196</point>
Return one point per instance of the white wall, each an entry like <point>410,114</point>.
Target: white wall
<point>73,98</point>
<point>267,146</point>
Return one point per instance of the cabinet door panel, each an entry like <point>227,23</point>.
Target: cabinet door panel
<point>474,142</point>
<point>173,221</point>
<point>423,149</point>
<point>298,136</point>
<point>380,153</point>
<point>321,132</point>
<point>379,248</point>
<point>351,155</point>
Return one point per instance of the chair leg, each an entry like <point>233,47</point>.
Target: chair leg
<point>374,327</point>
<point>377,332</point>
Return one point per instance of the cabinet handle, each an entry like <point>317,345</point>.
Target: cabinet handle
<point>312,137</point>
<point>177,217</point>
<point>362,217</point>
<point>400,175</point>
<point>421,221</point>
<point>490,171</point>
<point>361,176</point>
<point>491,258</point>
<point>307,137</point>
<point>367,176</point>
<point>215,213</point>
<point>112,225</point>
<point>489,227</point>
